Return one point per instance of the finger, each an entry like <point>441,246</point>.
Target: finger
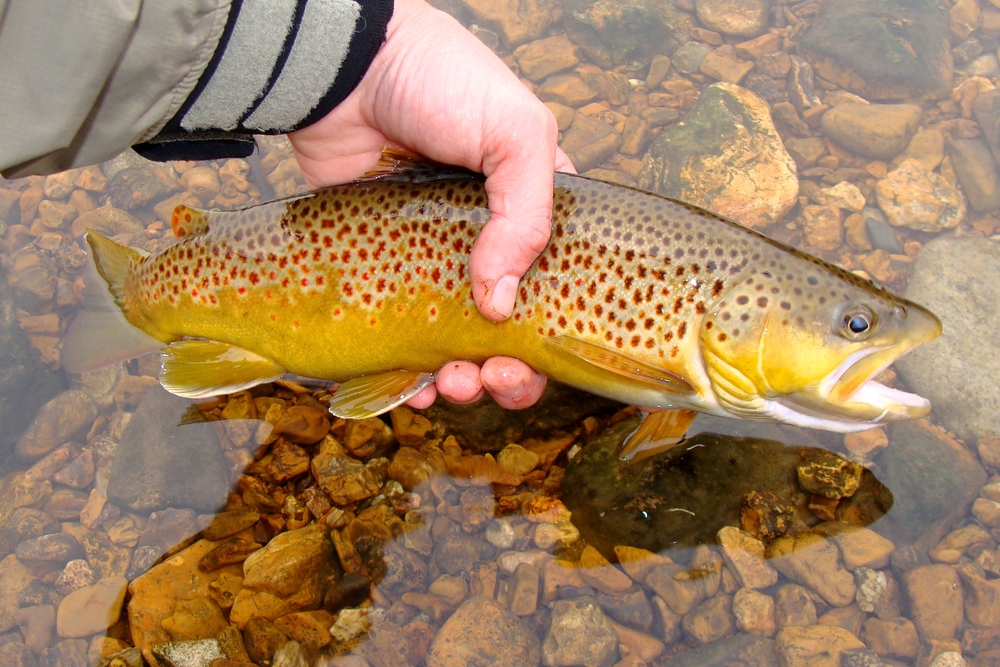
<point>511,383</point>
<point>518,165</point>
<point>563,163</point>
<point>423,398</point>
<point>458,382</point>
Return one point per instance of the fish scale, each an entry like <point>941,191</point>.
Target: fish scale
<point>636,297</point>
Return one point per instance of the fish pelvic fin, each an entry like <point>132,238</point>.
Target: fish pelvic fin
<point>371,395</point>
<point>399,164</point>
<point>103,331</point>
<point>187,221</point>
<point>623,365</point>
<point>202,368</point>
<point>657,432</point>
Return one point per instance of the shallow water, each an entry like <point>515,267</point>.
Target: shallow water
<point>254,527</point>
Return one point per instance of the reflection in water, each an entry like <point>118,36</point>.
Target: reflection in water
<point>273,534</point>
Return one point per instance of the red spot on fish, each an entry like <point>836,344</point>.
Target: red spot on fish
<point>242,290</point>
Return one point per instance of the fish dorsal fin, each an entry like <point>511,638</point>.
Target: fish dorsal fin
<point>202,368</point>
<point>620,364</point>
<point>371,395</point>
<point>187,221</point>
<point>399,164</point>
<point>658,431</point>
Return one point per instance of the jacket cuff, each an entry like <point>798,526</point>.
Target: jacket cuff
<point>280,65</point>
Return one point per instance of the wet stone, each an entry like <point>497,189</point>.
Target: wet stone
<point>197,618</point>
<point>675,584</point>
<point>516,21</point>
<point>579,634</point>
<point>740,18</point>
<point>814,645</point>
<point>56,422</point>
<point>566,89</point>
<point>977,172</point>
<point>814,562</point>
<point>710,621</point>
<point>910,196</point>
<point>545,57</point>
<point>91,609</point>
<point>688,58</point>
<point>892,638</point>
<point>37,625</point>
<point>17,654</point>
<point>189,653</point>
<point>631,33</point>
<point>724,65</point>
<point>754,612</point>
<point>879,131</point>
<point>629,608</point>
<point>522,590</point>
<point>75,575</point>
<point>793,605</point>
<point>344,480</point>
<point>55,548</point>
<point>67,653</point>
<point>26,523</point>
<point>229,523</point>
<point>859,657</point>
<point>485,628</point>
<point>936,604</point>
<point>457,553</point>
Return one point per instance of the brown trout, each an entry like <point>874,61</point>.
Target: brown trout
<point>637,297</point>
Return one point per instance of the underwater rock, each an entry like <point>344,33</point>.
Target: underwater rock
<point>958,279</point>
<point>740,18</point>
<point>879,131</point>
<point>163,462</point>
<point>516,21</point>
<point>681,497</point>
<point>910,196</point>
<point>487,629</point>
<point>882,49</point>
<point>25,383</point>
<point>486,427</point>
<point>726,157</point>
<point>56,422</point>
<point>626,32</point>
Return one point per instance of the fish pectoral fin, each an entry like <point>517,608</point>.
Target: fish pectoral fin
<point>188,221</point>
<point>658,431</point>
<point>371,395</point>
<point>202,368</point>
<point>620,364</point>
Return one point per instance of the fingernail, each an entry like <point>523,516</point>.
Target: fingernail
<point>504,294</point>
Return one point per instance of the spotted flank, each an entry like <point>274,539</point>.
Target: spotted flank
<point>637,297</point>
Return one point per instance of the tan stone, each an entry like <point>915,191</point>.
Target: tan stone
<point>307,627</point>
<point>14,578</point>
<point>955,544</point>
<point>545,57</point>
<point>91,609</point>
<point>813,645</point>
<point>892,638</point>
<point>980,595</point>
<point>91,179</point>
<point>863,443</point>
<point>638,562</point>
<point>744,554</point>
<point>678,587</point>
<point>409,428</point>
<point>522,590</point>
<point>516,21</point>
<point>926,147</point>
<point>910,196</point>
<point>814,562</point>
<point>287,560</point>
<point>639,644</point>
<point>936,604</point>
<point>724,65</point>
<point>558,573</point>
<point>55,215</point>
<point>566,89</point>
<point>822,226</point>
<point>859,547</point>
<point>794,605</point>
<point>602,575</point>
<point>879,131</point>
<point>517,459</point>
<point>198,618</point>
<point>563,114</point>
<point>710,621</point>
<point>754,612</point>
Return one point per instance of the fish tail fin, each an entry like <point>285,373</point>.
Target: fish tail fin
<point>187,221</point>
<point>101,334</point>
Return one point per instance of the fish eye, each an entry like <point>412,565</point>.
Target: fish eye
<point>858,323</point>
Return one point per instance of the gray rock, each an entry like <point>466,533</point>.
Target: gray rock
<point>977,172</point>
<point>163,462</point>
<point>56,422</point>
<point>742,649</point>
<point>630,608</point>
<point>682,497</point>
<point>626,32</point>
<point>882,235</point>
<point>688,58</point>
<point>25,383</point>
<point>67,653</point>
<point>16,654</point>
<point>54,549</point>
<point>987,111</point>
<point>958,279</point>
<point>801,86</point>
<point>726,157</point>
<point>986,65</point>
<point>882,49</point>
<point>580,634</point>
<point>967,50</point>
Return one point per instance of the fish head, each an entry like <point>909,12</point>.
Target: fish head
<point>803,346</point>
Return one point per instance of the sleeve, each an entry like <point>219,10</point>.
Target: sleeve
<point>179,79</point>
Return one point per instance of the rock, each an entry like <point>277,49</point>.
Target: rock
<point>977,172</point>
<point>949,659</point>
<point>485,628</point>
<point>878,131</point>
<point>91,609</point>
<point>457,553</point>
<point>709,475</point>
<point>814,562</point>
<point>740,18</point>
<point>677,586</point>
<point>79,473</point>
<point>960,542</point>
<point>935,596</point>
<point>629,608</point>
<point>710,621</point>
<point>745,555</point>
<point>545,57</point>
<point>225,524</point>
<point>883,50</point>
<point>25,383</point>
<point>910,196</point>
<point>602,575</point>
<point>754,612</point>
<point>516,21</point>
<point>625,32</point>
<point>859,547</point>
<point>980,595</point>
<point>186,468</point>
<point>74,576</point>
<point>522,590</point>
<point>688,58</point>
<point>26,523</point>
<point>927,148</point>
<point>16,654</point>
<point>283,576</point>
<point>953,278</point>
<point>56,422</point>
<point>69,653</point>
<point>814,645</point>
<point>53,549</point>
<point>892,638</point>
<point>805,151</point>
<point>36,624</point>
<point>188,654</point>
<point>517,459</point>
<point>822,226</point>
<point>724,65</point>
<point>345,480</point>
<point>706,161</point>
<point>986,108</point>
<point>579,634</point>
<point>589,142</point>
<point>793,605</point>
<point>636,136</point>
<point>843,195</point>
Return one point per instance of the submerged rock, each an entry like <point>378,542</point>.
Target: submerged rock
<point>162,462</point>
<point>681,497</point>
<point>727,157</point>
<point>882,49</point>
<point>958,279</point>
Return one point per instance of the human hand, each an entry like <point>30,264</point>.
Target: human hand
<point>435,89</point>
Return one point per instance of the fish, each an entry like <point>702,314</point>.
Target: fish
<point>637,297</point>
